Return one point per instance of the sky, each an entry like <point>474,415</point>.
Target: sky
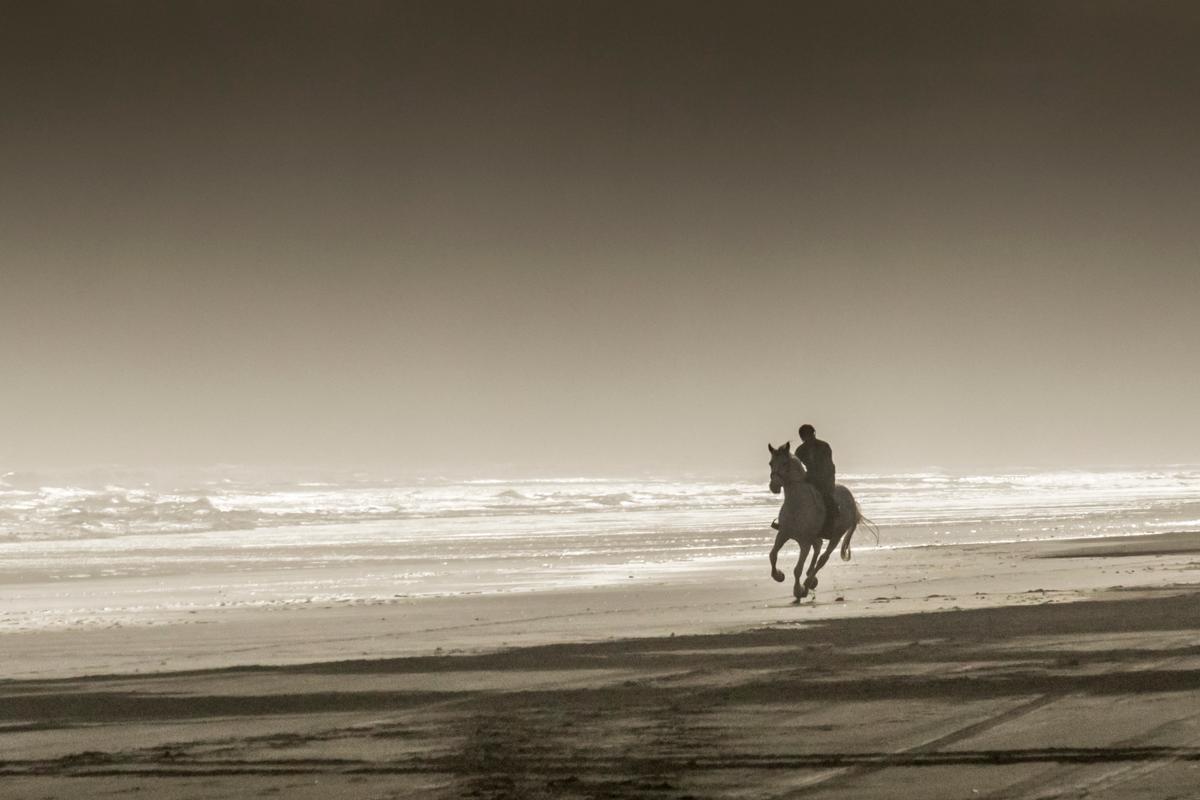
<point>592,238</point>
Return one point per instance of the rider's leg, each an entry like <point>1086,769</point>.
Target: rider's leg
<point>832,511</point>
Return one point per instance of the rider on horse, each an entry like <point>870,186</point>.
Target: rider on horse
<point>817,457</point>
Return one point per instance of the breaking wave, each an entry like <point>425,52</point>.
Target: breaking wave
<point>113,503</point>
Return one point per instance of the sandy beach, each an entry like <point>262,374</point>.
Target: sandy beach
<point>1024,670</point>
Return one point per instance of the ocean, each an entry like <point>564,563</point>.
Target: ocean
<point>116,546</point>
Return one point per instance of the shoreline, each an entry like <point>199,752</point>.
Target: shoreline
<point>1004,690</point>
<point>716,598</point>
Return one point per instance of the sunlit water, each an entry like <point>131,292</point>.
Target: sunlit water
<point>142,544</point>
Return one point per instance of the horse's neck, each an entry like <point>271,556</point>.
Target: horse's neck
<point>797,480</point>
<point>796,471</point>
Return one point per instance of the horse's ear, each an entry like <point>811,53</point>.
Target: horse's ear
<point>772,449</point>
<point>787,446</point>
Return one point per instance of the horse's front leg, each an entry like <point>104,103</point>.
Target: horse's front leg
<point>776,572</point>
<point>799,591</point>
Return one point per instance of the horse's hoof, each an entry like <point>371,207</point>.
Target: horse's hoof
<point>778,576</point>
<point>802,593</point>
<point>810,582</point>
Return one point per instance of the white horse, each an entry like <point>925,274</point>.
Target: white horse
<point>802,518</point>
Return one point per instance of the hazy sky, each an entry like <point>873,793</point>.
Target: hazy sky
<point>599,237</point>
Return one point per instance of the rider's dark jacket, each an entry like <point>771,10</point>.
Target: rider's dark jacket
<point>817,457</point>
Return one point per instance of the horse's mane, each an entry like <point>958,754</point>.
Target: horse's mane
<point>797,472</point>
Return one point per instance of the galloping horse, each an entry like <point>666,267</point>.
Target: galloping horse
<point>802,516</point>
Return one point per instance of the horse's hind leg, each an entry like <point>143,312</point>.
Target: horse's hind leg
<point>799,591</point>
<point>825,556</point>
<point>811,581</point>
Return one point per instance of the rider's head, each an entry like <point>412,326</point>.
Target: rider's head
<point>807,432</point>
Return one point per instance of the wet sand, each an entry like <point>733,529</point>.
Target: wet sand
<point>1020,670</point>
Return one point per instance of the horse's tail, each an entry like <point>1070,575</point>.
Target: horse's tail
<point>858,517</point>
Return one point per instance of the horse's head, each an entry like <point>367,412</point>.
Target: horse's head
<point>781,461</point>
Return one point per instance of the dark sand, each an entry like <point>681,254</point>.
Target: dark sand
<point>1098,697</point>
